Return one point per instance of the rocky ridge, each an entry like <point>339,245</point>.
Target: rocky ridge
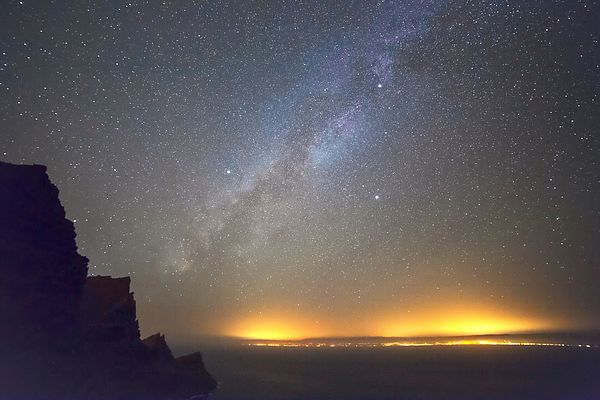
<point>63,334</point>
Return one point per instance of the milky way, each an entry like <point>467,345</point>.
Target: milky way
<point>335,162</point>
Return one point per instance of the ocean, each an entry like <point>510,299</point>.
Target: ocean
<point>404,373</point>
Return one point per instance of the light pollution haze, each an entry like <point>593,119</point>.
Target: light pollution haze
<point>302,169</point>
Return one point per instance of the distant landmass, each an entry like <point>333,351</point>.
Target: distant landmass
<point>63,334</point>
<point>559,339</point>
<point>583,339</point>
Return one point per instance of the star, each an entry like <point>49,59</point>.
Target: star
<point>291,108</point>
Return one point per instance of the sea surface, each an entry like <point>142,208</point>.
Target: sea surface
<point>425,373</point>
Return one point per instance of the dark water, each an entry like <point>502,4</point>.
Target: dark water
<point>465,373</point>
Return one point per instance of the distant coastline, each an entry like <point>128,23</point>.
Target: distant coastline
<point>588,340</point>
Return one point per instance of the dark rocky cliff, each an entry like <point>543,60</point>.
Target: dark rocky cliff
<point>64,335</point>
<point>108,311</point>
<point>42,275</point>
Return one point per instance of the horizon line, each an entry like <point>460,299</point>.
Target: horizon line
<point>595,331</point>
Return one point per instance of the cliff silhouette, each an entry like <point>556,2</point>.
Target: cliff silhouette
<point>63,334</point>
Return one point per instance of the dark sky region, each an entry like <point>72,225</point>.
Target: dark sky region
<point>311,168</point>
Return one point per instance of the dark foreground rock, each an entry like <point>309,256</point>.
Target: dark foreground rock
<point>64,335</point>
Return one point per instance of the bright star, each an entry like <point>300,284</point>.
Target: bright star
<point>376,197</point>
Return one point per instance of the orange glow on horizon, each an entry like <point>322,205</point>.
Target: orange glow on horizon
<point>448,321</point>
<point>275,327</point>
<point>461,321</point>
<point>458,325</point>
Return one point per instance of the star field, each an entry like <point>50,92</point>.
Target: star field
<point>339,163</point>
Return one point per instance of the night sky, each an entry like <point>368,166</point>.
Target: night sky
<point>296,168</point>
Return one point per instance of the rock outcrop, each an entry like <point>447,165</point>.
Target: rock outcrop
<point>64,335</point>
<point>42,275</point>
<point>108,311</point>
<point>157,347</point>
